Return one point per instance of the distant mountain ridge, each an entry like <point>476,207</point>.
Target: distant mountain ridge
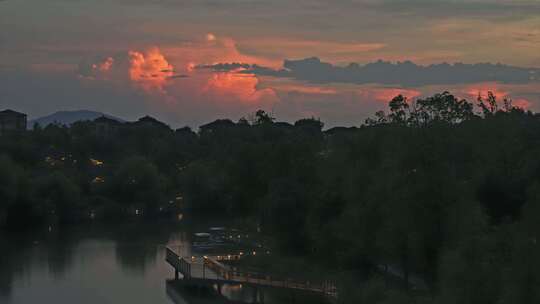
<point>69,117</point>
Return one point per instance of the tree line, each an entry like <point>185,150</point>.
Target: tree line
<point>440,190</point>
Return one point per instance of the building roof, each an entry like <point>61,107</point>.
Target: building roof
<point>105,119</point>
<point>11,112</point>
<point>340,130</point>
<point>218,123</point>
<point>148,120</point>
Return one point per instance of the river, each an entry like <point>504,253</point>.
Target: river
<point>97,263</point>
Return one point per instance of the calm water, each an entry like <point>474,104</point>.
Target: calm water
<point>95,264</point>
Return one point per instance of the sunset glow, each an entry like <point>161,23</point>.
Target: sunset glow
<point>499,91</point>
<point>105,65</point>
<point>385,95</point>
<point>149,70</point>
<point>142,63</point>
<point>243,87</point>
<point>483,89</point>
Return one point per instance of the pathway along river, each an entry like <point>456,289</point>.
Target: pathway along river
<point>97,263</point>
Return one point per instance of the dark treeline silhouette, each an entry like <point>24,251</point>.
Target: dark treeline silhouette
<point>441,192</point>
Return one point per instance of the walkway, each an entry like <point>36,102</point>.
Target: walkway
<point>212,271</point>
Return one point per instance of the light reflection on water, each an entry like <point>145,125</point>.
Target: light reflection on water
<point>97,264</point>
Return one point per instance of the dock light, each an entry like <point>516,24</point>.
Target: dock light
<point>241,253</point>
<point>95,162</point>
<point>254,253</point>
<point>229,257</point>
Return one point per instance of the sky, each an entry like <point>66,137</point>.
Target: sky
<point>189,62</point>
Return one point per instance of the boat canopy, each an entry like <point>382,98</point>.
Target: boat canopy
<point>217,229</point>
<point>202,234</point>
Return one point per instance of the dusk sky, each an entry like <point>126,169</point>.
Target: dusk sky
<point>168,58</point>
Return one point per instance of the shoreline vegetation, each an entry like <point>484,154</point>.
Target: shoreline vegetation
<point>444,190</point>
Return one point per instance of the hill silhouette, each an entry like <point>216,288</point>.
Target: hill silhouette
<point>69,117</point>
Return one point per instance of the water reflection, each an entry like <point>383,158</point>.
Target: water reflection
<point>181,292</point>
<point>102,264</point>
<point>135,258</point>
<point>92,264</point>
<point>58,252</point>
<point>10,265</point>
<point>137,248</point>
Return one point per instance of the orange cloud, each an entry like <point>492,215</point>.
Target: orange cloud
<point>287,85</point>
<point>521,103</point>
<point>224,93</point>
<point>99,69</point>
<point>519,94</point>
<point>149,70</point>
<point>242,87</point>
<point>213,49</point>
<point>152,71</point>
<point>482,89</point>
<point>105,65</point>
<point>210,37</point>
<point>501,92</point>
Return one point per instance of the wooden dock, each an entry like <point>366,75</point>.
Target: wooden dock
<point>208,270</point>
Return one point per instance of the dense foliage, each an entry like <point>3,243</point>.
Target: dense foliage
<point>441,192</point>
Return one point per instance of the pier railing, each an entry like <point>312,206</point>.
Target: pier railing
<point>180,264</point>
<point>208,268</point>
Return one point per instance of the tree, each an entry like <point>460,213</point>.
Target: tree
<point>57,197</point>
<point>522,280</point>
<point>9,184</point>
<point>442,108</point>
<point>138,184</point>
<point>380,119</point>
<point>310,125</point>
<point>261,118</point>
<point>439,108</point>
<point>399,110</point>
<point>489,105</point>
<point>243,121</point>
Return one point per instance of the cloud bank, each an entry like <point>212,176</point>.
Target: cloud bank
<point>105,59</point>
<point>404,73</point>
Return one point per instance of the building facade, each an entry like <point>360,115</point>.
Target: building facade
<point>12,121</point>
